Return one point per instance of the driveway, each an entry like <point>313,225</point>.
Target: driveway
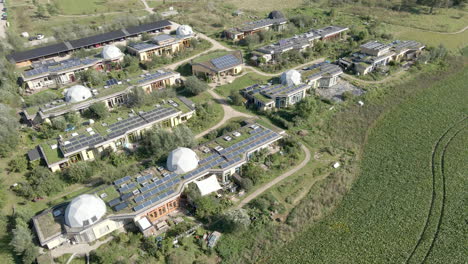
<point>2,23</point>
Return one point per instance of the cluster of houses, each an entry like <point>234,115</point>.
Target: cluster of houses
<point>302,42</point>
<point>146,198</point>
<point>375,54</point>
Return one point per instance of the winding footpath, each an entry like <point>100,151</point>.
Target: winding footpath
<point>270,184</point>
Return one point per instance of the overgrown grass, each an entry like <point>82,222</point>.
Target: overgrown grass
<point>392,194</point>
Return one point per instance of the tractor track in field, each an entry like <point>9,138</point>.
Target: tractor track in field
<point>434,187</point>
<point>442,162</point>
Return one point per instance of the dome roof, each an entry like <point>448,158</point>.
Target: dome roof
<point>111,52</point>
<point>182,160</point>
<point>77,93</point>
<point>184,30</point>
<point>84,210</point>
<point>291,77</point>
<point>275,15</point>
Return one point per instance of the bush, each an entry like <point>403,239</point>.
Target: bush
<point>195,86</point>
<point>99,110</point>
<point>79,172</point>
<point>18,164</point>
<point>236,98</point>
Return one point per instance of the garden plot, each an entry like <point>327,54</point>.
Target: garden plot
<point>336,92</point>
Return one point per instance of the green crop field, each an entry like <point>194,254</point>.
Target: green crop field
<point>84,7</point>
<point>407,201</point>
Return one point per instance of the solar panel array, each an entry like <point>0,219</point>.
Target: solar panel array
<point>121,206</point>
<point>80,142</point>
<point>60,66</point>
<point>158,113</point>
<point>121,127</point>
<point>156,189</point>
<point>122,180</point>
<point>112,82</point>
<point>153,201</point>
<point>154,76</point>
<point>226,61</point>
<point>229,163</point>
<point>143,46</point>
<point>144,178</point>
<point>287,90</point>
<point>125,196</point>
<point>127,187</point>
<point>114,202</point>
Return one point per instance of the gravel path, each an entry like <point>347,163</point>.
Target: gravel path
<point>270,184</point>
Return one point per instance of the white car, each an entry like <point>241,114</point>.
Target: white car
<point>40,36</point>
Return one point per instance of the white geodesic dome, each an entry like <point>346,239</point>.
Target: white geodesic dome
<point>77,93</point>
<point>84,210</point>
<point>182,160</point>
<point>184,30</point>
<point>111,52</point>
<point>291,77</point>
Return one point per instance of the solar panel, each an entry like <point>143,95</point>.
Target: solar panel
<point>154,76</point>
<point>127,188</point>
<point>111,82</point>
<point>114,202</point>
<point>122,180</point>
<point>225,61</point>
<point>126,196</point>
<point>121,206</point>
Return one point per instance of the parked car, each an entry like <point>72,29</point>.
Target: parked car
<point>32,38</point>
<point>40,36</point>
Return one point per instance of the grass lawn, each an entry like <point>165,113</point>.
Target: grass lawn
<point>205,97</point>
<point>240,83</point>
<point>84,7</point>
<point>265,6</point>
<point>392,194</point>
<point>453,42</point>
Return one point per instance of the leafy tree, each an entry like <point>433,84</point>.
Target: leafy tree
<point>8,130</point>
<point>18,164</point>
<point>236,98</point>
<point>52,9</point>
<point>306,107</point>
<point>79,172</point>
<point>235,220</point>
<point>246,184</point>
<point>41,11</point>
<point>46,130</point>
<point>137,97</point>
<point>206,206</point>
<point>99,110</point>
<point>131,64</point>
<point>92,77</point>
<point>253,172</point>
<point>195,86</point>
<point>72,118</point>
<point>22,238</point>
<point>59,123</point>
<point>30,254</point>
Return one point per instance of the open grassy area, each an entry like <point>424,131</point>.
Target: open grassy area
<point>453,42</point>
<point>84,7</point>
<point>241,83</point>
<point>393,193</point>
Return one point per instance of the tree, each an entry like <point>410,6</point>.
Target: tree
<point>306,107</point>
<point>206,207</point>
<point>195,86</point>
<point>246,184</point>
<point>137,97</point>
<point>59,123</point>
<point>18,164</point>
<point>253,172</point>
<point>236,98</point>
<point>41,11</point>
<point>92,77</point>
<point>131,64</point>
<point>8,130</point>
<point>30,254</point>
<point>22,238</point>
<point>72,118</point>
<point>99,110</point>
<point>235,220</point>
<point>52,9</point>
<point>79,172</point>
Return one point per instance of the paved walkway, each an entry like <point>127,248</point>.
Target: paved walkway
<point>147,8</point>
<point>78,249</point>
<point>229,113</point>
<point>283,176</point>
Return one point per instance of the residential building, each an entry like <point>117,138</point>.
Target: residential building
<point>88,143</point>
<point>146,198</point>
<point>322,75</point>
<point>51,73</point>
<point>275,96</point>
<point>114,94</point>
<point>374,54</point>
<point>299,42</point>
<point>26,58</point>
<point>162,45</point>
<point>275,21</point>
<point>229,64</point>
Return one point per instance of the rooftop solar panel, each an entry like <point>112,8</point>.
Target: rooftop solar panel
<point>114,202</point>
<point>121,206</point>
<point>226,61</point>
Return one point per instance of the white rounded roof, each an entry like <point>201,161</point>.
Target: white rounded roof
<point>291,77</point>
<point>182,160</point>
<point>77,93</point>
<point>184,30</point>
<point>84,210</point>
<point>111,52</point>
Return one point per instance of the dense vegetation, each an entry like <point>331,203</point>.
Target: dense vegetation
<point>393,192</point>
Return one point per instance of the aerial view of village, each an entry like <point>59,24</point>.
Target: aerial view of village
<point>233,131</point>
